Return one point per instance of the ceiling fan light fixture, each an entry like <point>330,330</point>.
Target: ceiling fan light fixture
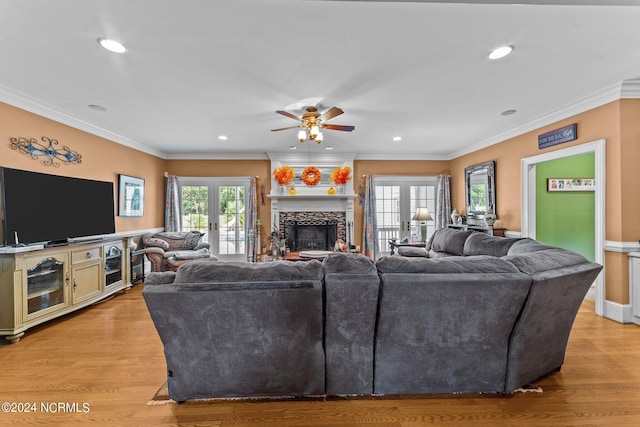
<point>314,131</point>
<point>501,52</point>
<point>318,137</point>
<point>302,135</point>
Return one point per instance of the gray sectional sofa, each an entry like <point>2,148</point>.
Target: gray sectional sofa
<point>469,313</point>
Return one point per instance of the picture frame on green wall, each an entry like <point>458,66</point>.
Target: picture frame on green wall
<point>570,184</point>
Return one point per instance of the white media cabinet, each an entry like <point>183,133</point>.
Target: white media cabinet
<point>40,284</point>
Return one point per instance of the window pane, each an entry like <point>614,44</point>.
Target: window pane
<point>195,208</point>
<point>388,214</point>
<point>232,220</point>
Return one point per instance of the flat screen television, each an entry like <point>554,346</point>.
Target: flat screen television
<point>43,208</point>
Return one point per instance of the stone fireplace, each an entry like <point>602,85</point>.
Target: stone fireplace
<point>305,231</point>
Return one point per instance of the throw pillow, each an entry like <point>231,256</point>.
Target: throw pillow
<point>158,243</point>
<point>191,240</point>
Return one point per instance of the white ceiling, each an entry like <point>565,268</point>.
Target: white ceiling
<point>196,69</point>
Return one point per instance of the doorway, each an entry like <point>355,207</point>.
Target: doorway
<point>528,200</point>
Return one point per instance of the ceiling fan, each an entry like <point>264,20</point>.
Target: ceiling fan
<point>312,122</point>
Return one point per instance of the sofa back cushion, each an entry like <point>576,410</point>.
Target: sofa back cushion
<point>342,262</point>
<point>527,245</point>
<point>483,244</point>
<point>545,260</point>
<point>228,272</point>
<point>448,240</point>
<point>451,264</point>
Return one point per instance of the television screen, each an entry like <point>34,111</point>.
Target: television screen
<point>39,207</point>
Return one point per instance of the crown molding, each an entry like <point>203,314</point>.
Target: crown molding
<point>36,107</point>
<point>236,155</point>
<point>629,89</point>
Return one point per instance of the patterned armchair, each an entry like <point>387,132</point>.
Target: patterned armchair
<point>169,250</point>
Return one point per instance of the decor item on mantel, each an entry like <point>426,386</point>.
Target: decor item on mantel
<point>311,175</point>
<point>284,174</point>
<point>48,152</point>
<point>340,176</point>
<point>422,215</point>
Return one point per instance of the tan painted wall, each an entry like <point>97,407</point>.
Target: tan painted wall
<point>102,160</point>
<point>618,124</point>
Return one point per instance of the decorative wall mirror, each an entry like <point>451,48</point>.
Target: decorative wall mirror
<point>480,183</point>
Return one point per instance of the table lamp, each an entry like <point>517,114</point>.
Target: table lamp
<point>422,215</point>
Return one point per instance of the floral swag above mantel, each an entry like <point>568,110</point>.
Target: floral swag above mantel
<point>47,151</point>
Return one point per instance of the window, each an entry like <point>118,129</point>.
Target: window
<point>397,199</point>
<point>216,207</point>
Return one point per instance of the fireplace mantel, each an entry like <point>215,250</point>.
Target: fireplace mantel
<point>312,198</point>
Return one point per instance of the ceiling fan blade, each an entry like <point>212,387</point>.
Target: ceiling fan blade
<point>331,113</point>
<point>288,114</point>
<point>279,129</point>
<point>338,127</point>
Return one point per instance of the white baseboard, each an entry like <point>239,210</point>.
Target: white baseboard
<point>621,313</point>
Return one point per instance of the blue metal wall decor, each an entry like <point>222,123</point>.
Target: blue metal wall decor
<point>47,152</point>
<point>558,136</point>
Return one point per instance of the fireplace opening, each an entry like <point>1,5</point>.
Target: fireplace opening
<point>305,235</point>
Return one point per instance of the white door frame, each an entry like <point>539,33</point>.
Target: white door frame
<point>528,200</point>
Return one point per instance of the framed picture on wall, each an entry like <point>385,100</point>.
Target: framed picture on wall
<point>130,196</point>
<point>571,184</point>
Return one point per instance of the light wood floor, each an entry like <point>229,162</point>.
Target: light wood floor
<point>110,358</point>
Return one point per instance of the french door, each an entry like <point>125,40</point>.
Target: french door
<point>216,207</point>
<point>397,199</point>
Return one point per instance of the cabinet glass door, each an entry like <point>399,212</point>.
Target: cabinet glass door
<point>45,285</point>
<point>112,265</point>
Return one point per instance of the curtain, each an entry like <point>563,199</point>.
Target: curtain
<point>443,210</point>
<point>370,222</point>
<point>252,221</point>
<point>171,205</point>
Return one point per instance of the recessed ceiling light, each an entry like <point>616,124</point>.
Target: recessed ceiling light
<point>328,147</point>
<point>112,45</point>
<point>501,52</point>
<point>397,138</point>
<point>508,112</point>
<point>98,107</point>
<point>223,137</point>
<point>292,147</point>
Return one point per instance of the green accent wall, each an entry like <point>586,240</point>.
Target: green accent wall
<point>566,219</point>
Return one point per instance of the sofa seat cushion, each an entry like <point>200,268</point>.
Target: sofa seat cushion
<point>227,272</point>
<point>448,240</point>
<point>483,244</point>
<point>451,264</point>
